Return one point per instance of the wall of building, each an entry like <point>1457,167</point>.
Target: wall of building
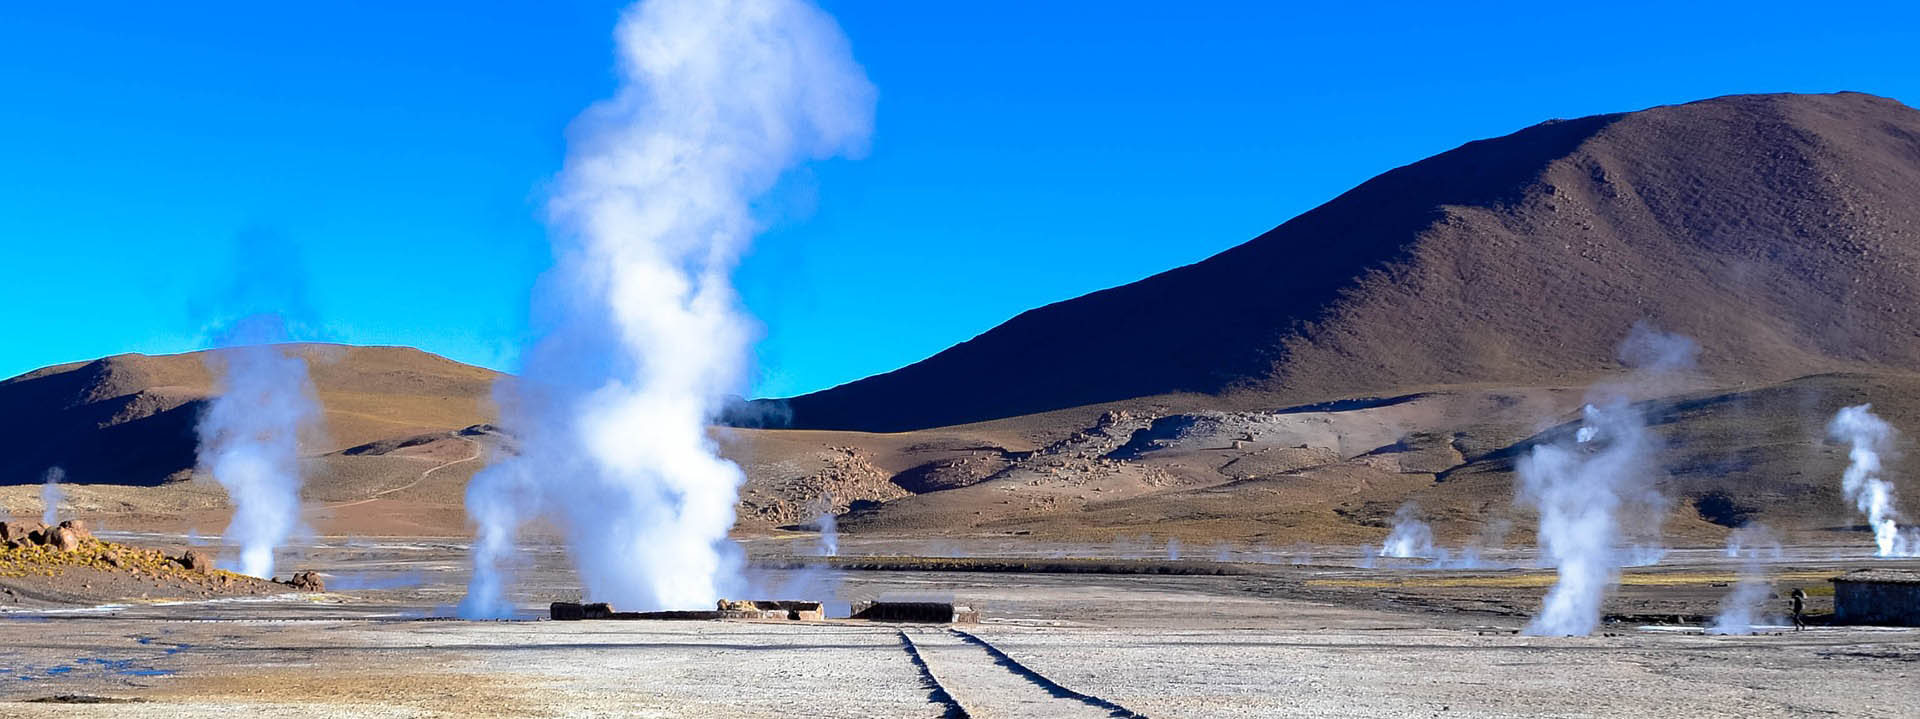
<point>1876,603</point>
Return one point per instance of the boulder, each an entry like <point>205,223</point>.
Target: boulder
<point>194,560</point>
<point>306,582</point>
<point>10,531</point>
<point>63,539</point>
<point>79,528</point>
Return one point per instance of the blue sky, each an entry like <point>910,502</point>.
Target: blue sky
<point>380,171</point>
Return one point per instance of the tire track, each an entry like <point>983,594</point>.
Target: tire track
<point>935,692</point>
<point>977,680</point>
<point>1052,687</point>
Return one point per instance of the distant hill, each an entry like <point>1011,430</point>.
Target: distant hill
<point>129,419</point>
<point>1780,231</point>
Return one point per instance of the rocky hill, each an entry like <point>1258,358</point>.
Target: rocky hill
<point>1779,231</point>
<point>129,419</point>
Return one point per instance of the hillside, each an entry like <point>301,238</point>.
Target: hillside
<point>1777,230</point>
<point>129,419</point>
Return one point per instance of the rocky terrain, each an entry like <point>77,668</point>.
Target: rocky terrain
<point>66,565</point>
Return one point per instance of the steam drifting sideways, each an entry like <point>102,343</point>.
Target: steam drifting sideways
<point>1871,438</point>
<point>1588,485</point>
<point>643,337</point>
<point>250,439</point>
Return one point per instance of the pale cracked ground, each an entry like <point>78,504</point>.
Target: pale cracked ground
<point>1054,646</point>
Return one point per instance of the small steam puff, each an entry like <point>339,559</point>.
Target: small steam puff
<point>643,339</point>
<point>1871,438</point>
<point>1410,538</point>
<point>1583,488</point>
<point>829,528</point>
<point>250,437</point>
<point>1740,610</point>
<point>50,496</point>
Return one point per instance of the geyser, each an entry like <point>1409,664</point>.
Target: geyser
<point>1742,609</point>
<point>825,522</point>
<point>1589,485</point>
<point>250,438</point>
<point>50,495</point>
<point>1869,439</point>
<point>1410,538</point>
<point>642,338</point>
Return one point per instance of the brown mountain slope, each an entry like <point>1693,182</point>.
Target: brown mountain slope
<point>1777,230</point>
<point>129,419</point>
<point>1249,475</point>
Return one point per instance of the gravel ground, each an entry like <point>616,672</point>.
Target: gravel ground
<point>1051,646</point>
<point>1425,673</point>
<point>728,669</point>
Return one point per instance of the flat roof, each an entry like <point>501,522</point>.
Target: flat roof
<point>1882,576</point>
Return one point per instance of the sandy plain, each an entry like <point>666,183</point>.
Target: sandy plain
<point>1322,637</point>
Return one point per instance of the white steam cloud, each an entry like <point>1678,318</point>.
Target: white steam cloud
<point>1870,439</point>
<point>1742,609</point>
<point>250,439</point>
<point>1589,487</point>
<point>1410,538</point>
<point>718,98</point>
<point>829,528</point>
<point>50,495</point>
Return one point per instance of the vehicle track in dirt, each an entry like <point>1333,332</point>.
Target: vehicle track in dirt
<point>983,682</point>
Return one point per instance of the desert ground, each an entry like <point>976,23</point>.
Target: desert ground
<point>1305,632</point>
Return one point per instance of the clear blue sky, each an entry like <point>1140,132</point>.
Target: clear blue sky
<point>394,154</point>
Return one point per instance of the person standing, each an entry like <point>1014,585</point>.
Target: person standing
<point>1799,609</point>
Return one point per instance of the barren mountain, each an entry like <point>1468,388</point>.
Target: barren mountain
<point>1779,231</point>
<point>129,419</point>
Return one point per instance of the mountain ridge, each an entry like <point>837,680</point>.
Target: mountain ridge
<point>1710,218</point>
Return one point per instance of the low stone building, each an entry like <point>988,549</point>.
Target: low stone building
<point>917,607</point>
<point>1877,596</point>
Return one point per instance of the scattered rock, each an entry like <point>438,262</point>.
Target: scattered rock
<point>305,582</point>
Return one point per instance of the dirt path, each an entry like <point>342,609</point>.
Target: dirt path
<point>988,684</point>
<point>477,449</point>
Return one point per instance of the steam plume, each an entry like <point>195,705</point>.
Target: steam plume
<point>1584,484</point>
<point>1410,538</point>
<point>50,496</point>
<point>1741,609</point>
<point>717,99</point>
<point>829,527</point>
<point>1871,438</point>
<point>250,436</point>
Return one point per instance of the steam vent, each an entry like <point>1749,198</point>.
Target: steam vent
<point>1877,596</point>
